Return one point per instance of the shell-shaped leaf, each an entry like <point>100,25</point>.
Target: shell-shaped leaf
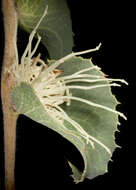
<point>97,122</point>
<point>56,27</point>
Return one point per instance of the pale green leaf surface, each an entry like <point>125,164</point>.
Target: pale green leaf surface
<point>97,122</point>
<point>77,175</point>
<point>56,27</point>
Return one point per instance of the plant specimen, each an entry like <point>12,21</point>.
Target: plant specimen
<point>49,92</point>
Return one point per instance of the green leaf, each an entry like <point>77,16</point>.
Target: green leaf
<point>56,27</point>
<point>97,122</point>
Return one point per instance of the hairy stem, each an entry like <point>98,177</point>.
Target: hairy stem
<point>7,83</point>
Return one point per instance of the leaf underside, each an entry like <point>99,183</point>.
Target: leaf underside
<point>55,28</point>
<point>97,122</point>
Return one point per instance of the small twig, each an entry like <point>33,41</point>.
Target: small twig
<point>7,83</point>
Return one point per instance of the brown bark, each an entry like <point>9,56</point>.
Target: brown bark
<point>7,83</point>
<point>9,147</point>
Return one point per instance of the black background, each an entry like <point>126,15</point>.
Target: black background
<point>41,157</point>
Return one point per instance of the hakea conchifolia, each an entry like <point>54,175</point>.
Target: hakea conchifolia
<point>53,90</point>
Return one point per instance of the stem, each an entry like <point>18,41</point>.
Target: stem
<point>7,84</point>
<point>9,146</point>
